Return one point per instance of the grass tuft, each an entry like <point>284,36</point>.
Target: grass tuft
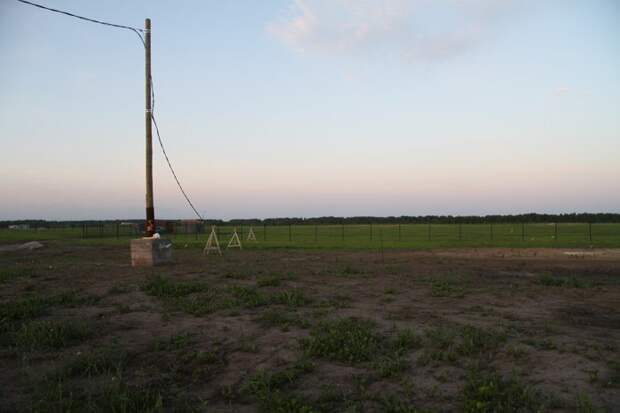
<point>291,298</point>
<point>348,340</point>
<point>269,389</point>
<point>108,360</point>
<point>248,297</point>
<point>46,335</point>
<point>450,343</point>
<point>282,319</point>
<point>489,392</point>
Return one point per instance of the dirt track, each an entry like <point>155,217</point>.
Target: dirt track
<point>554,314</point>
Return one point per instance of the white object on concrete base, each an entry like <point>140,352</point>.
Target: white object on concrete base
<point>149,252</point>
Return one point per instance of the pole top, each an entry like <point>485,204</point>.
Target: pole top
<point>147,23</point>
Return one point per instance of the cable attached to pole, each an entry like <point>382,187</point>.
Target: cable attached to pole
<point>139,32</point>
<point>136,30</point>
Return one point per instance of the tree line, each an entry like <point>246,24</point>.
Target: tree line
<point>403,219</point>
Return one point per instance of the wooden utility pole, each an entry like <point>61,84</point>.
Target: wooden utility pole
<point>149,228</point>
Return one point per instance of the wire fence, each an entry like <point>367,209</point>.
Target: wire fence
<point>330,235</point>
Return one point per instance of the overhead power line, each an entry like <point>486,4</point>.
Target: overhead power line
<point>139,32</point>
<point>136,30</point>
<point>172,169</point>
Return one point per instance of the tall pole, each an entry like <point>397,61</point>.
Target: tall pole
<point>150,211</point>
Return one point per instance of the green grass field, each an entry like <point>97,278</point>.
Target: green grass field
<point>351,236</point>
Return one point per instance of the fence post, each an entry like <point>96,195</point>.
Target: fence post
<point>590,230</point>
<point>381,243</point>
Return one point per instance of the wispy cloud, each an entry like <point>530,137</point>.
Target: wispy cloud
<point>411,29</point>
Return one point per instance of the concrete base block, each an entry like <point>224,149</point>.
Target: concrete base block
<point>148,252</point>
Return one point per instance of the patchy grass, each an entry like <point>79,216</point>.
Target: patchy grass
<point>282,319</point>
<point>448,344</point>
<point>269,388</point>
<point>336,301</point>
<point>174,342</point>
<point>10,274</point>
<point>161,358</point>
<point>489,392</point>
<point>200,305</point>
<point>568,282</point>
<point>50,335</point>
<point>404,340</point>
<point>394,404</point>
<point>121,288</point>
<point>390,365</point>
<point>37,305</point>
<point>613,379</point>
<point>116,396</point>
<point>199,299</point>
<point>272,280</point>
<point>246,297</point>
<point>350,271</point>
<point>164,287</point>
<point>584,404</point>
<point>108,360</point>
<point>353,341</point>
<point>291,298</point>
<point>348,340</point>
<point>441,287</point>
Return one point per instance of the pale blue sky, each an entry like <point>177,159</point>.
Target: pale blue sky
<point>313,107</point>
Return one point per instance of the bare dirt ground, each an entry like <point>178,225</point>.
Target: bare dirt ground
<point>304,331</point>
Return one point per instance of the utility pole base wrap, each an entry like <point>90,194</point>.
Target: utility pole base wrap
<point>150,252</point>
